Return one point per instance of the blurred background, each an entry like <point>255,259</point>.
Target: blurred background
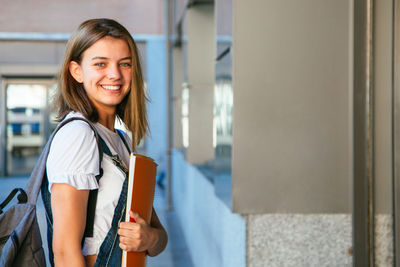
<point>274,123</point>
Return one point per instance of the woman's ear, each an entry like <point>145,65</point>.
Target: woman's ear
<point>76,71</point>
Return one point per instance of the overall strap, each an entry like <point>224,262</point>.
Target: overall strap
<point>93,193</point>
<point>92,201</point>
<point>105,148</point>
<point>35,181</point>
<point>121,134</point>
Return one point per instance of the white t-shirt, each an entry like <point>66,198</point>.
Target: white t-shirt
<point>74,159</point>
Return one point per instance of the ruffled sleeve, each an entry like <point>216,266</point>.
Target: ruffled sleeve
<point>74,157</point>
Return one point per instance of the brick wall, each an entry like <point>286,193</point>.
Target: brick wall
<point>139,16</point>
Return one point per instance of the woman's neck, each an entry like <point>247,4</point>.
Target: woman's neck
<point>107,120</point>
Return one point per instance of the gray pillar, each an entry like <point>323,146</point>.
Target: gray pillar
<point>292,132</point>
<point>178,80</point>
<point>3,132</point>
<point>200,76</point>
<point>292,108</point>
<point>383,129</point>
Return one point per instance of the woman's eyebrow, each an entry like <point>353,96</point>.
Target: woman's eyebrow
<point>106,58</point>
<point>94,58</point>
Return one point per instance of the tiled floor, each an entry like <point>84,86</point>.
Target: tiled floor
<point>176,253</point>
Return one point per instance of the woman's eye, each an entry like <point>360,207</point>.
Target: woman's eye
<point>125,64</point>
<point>99,64</point>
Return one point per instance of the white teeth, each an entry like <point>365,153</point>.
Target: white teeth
<point>111,87</point>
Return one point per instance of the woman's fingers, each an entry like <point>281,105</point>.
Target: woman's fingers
<point>137,236</point>
<point>129,226</point>
<point>132,244</point>
<point>138,221</point>
<point>136,217</point>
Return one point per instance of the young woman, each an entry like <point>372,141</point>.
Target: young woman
<point>100,80</point>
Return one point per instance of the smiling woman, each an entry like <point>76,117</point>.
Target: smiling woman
<point>71,93</point>
<point>106,73</point>
<point>100,80</point>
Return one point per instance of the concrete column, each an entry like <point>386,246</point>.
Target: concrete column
<point>3,130</point>
<point>383,147</point>
<point>292,131</point>
<point>292,108</point>
<point>178,80</point>
<point>200,77</point>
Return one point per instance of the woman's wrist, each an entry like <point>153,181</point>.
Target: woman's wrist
<point>155,239</point>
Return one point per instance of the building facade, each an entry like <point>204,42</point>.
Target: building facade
<point>284,150</point>
<point>275,122</point>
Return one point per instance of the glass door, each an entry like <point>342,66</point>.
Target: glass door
<point>27,123</point>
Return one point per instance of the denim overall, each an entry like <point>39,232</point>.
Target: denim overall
<point>110,254</point>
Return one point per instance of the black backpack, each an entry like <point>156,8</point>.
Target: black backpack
<point>20,240</point>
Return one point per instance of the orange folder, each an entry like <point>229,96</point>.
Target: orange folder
<point>141,183</point>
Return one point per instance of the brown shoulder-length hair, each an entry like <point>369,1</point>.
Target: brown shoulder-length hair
<point>71,96</point>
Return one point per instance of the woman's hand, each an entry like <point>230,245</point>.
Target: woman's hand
<point>140,236</point>
<point>136,236</point>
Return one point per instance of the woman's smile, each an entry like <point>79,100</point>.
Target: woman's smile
<point>111,87</point>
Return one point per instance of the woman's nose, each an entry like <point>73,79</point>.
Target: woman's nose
<point>113,73</point>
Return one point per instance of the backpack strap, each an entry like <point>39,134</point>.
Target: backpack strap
<point>39,173</point>
<point>35,181</point>
<point>36,178</point>
<point>22,198</point>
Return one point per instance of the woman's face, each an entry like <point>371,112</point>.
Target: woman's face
<point>106,72</point>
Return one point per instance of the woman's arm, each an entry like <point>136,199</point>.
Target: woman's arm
<point>69,207</point>
<point>161,234</point>
<point>140,236</point>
